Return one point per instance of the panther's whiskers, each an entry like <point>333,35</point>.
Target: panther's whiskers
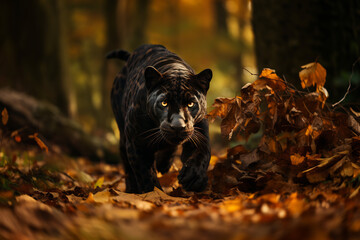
<point>157,137</point>
<point>154,130</point>
<point>198,139</point>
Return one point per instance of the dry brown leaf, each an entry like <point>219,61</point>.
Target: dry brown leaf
<point>347,170</point>
<point>270,81</point>
<point>296,206</point>
<point>296,159</point>
<point>158,197</point>
<point>353,124</point>
<point>221,106</point>
<point>233,205</point>
<point>99,197</point>
<point>133,199</point>
<point>325,161</point>
<point>312,74</point>
<point>357,114</point>
<point>269,73</point>
<point>249,158</point>
<point>355,192</point>
<point>316,177</point>
<point>90,198</point>
<point>40,143</point>
<point>5,116</point>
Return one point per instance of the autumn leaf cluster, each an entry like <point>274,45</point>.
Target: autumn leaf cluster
<point>302,138</point>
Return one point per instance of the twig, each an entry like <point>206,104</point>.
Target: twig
<point>67,175</point>
<point>348,89</point>
<point>250,72</point>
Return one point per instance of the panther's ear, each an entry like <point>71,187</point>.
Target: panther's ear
<point>202,80</point>
<point>152,77</point>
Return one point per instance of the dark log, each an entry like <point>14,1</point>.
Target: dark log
<point>26,112</point>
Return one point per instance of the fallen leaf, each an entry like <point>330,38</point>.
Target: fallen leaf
<point>40,143</point>
<point>347,170</point>
<point>99,182</point>
<point>17,138</point>
<point>357,114</point>
<point>249,158</point>
<point>101,197</point>
<point>271,198</point>
<point>134,200</point>
<point>5,116</point>
<point>296,159</point>
<point>158,197</point>
<point>355,192</point>
<point>231,206</point>
<point>353,124</point>
<point>90,198</point>
<point>295,205</point>
<point>316,177</point>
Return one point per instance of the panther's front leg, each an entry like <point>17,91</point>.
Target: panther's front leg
<point>141,160</point>
<point>195,158</point>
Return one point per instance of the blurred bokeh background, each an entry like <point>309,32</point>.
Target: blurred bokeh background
<point>54,50</point>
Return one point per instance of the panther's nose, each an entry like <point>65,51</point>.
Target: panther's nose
<point>177,123</point>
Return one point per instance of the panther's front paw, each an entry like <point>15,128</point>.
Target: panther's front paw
<point>193,179</point>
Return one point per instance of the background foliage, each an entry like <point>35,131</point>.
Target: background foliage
<point>54,50</point>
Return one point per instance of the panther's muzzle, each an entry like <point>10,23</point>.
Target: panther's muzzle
<point>176,130</point>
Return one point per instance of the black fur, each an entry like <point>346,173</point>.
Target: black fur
<point>159,103</point>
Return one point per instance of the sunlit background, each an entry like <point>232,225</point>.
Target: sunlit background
<point>203,37</point>
<point>54,50</point>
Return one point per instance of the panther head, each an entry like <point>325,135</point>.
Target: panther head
<point>176,102</point>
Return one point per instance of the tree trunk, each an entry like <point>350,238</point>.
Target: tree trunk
<point>221,16</point>
<point>139,19</point>
<point>110,68</point>
<point>30,49</point>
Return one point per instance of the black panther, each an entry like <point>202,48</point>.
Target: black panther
<point>160,103</point>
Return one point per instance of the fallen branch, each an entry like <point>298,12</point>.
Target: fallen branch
<point>45,120</point>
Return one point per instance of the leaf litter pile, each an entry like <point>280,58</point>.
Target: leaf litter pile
<point>299,179</point>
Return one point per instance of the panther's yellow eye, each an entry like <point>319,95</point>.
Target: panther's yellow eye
<point>191,104</point>
<point>164,104</point>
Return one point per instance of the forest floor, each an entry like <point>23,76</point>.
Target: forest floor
<point>48,196</point>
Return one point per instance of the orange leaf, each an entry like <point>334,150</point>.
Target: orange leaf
<point>269,80</point>
<point>296,159</point>
<point>17,138</point>
<point>296,206</point>
<point>272,145</point>
<point>5,116</point>
<point>41,144</point>
<point>269,73</point>
<point>309,130</point>
<point>312,74</point>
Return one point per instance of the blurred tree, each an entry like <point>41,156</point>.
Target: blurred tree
<point>87,40</point>
<point>289,34</point>
<point>130,22</point>
<point>110,68</point>
<point>126,24</point>
<point>139,22</point>
<point>221,16</point>
<point>231,19</point>
<point>32,47</point>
